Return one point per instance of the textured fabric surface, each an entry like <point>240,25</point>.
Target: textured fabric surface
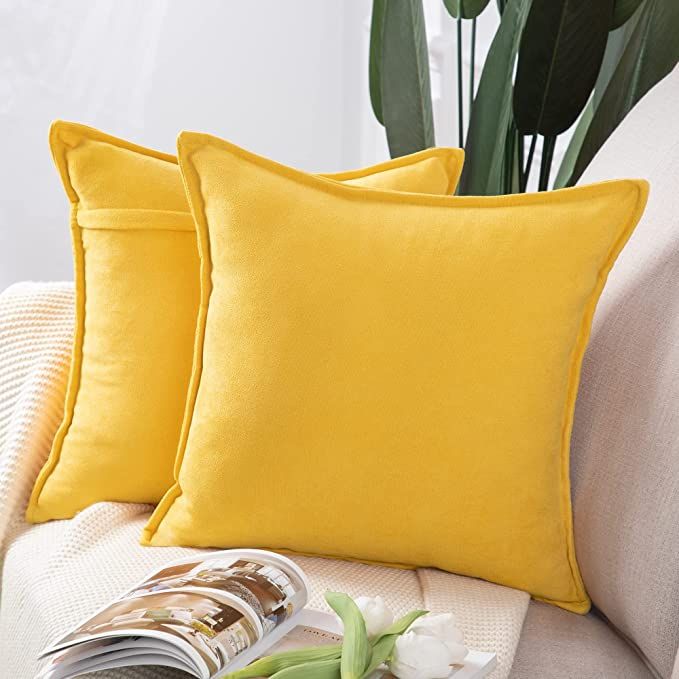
<point>625,447</point>
<point>36,331</point>
<point>559,645</point>
<point>137,284</point>
<point>397,370</point>
<point>57,573</point>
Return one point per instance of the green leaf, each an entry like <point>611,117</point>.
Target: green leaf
<point>375,63</point>
<point>651,53</point>
<point>491,113</point>
<point>406,89</point>
<point>563,176</point>
<point>356,651</point>
<point>384,644</point>
<point>512,167</point>
<point>467,9</point>
<point>562,47</point>
<point>622,11</point>
<point>266,667</point>
<point>402,624</point>
<point>615,46</point>
<point>323,669</point>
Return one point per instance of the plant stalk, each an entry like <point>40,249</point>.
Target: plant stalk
<point>519,154</point>
<point>548,145</point>
<point>526,172</point>
<point>509,160</point>
<point>460,84</point>
<point>472,63</point>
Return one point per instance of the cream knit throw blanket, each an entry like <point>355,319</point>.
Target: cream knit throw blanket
<point>56,574</point>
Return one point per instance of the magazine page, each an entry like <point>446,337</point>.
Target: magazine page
<point>311,629</point>
<point>210,608</point>
<point>103,653</point>
<point>135,657</point>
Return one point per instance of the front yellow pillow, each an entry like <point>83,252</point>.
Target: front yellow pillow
<point>137,286</point>
<point>388,377</point>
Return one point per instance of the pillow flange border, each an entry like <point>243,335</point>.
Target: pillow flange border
<point>188,141</point>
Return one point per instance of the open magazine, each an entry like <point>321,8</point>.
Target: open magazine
<point>207,615</point>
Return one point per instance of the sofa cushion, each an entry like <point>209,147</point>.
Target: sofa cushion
<point>625,447</point>
<point>556,644</point>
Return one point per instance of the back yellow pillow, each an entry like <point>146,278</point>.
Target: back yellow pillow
<point>137,287</point>
<point>388,377</point>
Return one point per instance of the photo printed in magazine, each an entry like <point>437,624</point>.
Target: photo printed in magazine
<point>201,615</point>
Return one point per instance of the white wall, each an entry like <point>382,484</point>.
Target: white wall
<point>285,78</point>
<point>280,78</point>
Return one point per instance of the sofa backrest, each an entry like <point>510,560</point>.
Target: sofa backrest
<point>625,446</point>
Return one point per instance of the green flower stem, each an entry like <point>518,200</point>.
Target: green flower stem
<point>323,669</point>
<point>267,667</point>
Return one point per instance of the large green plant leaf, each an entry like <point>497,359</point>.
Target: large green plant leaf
<point>563,176</point>
<point>623,10</point>
<point>651,53</point>
<point>375,59</point>
<point>406,89</point>
<point>615,46</point>
<point>467,9</point>
<point>491,112</point>
<point>562,47</point>
<point>512,166</point>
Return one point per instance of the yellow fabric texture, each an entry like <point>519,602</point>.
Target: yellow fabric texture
<point>137,282</point>
<point>388,377</point>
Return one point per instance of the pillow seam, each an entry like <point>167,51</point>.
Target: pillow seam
<point>574,376</point>
<point>75,375</point>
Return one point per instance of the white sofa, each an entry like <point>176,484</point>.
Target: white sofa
<point>625,472</point>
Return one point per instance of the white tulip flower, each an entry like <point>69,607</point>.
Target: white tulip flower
<point>443,627</point>
<point>377,615</point>
<point>429,648</point>
<point>419,656</point>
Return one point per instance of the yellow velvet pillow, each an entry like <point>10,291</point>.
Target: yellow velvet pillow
<point>137,286</point>
<point>388,377</point>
